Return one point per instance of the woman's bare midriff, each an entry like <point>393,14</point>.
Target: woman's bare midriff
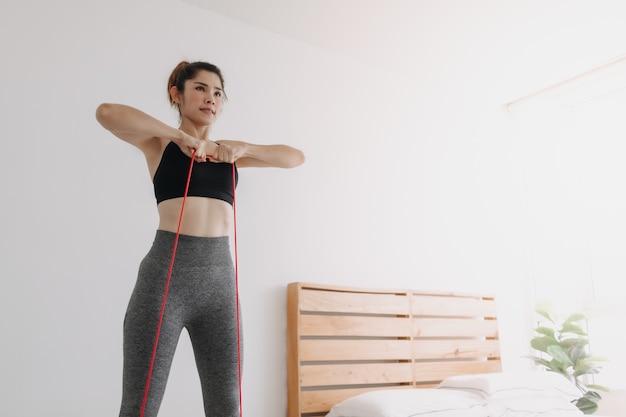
<point>205,217</point>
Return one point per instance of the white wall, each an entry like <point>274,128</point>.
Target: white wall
<point>409,182</point>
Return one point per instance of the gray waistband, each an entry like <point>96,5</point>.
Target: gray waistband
<point>190,250</point>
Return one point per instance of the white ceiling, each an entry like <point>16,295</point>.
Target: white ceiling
<point>347,26</point>
<point>544,42</point>
<point>376,32</point>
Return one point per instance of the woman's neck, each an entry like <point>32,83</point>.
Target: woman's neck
<point>200,132</point>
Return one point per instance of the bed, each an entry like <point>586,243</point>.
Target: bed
<point>384,353</point>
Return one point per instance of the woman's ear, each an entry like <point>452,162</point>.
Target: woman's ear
<point>176,95</point>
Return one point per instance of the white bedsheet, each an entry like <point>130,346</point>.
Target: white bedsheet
<point>482,395</point>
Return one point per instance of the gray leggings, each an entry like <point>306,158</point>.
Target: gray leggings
<point>202,299</point>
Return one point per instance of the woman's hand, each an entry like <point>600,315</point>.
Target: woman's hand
<point>229,151</point>
<point>189,144</point>
<point>224,151</point>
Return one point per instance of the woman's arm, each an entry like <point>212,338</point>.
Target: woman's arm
<point>144,131</point>
<point>251,155</point>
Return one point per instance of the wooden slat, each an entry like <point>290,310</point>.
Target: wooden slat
<point>343,302</point>
<point>428,305</point>
<point>342,350</point>
<point>438,371</point>
<point>337,288</point>
<point>356,374</point>
<point>354,326</point>
<point>293,354</point>
<point>455,349</point>
<point>443,327</point>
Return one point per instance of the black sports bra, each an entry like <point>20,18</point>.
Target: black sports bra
<point>208,179</point>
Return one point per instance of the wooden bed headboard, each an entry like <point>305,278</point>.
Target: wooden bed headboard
<point>345,341</point>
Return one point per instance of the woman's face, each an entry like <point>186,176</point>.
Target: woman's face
<point>202,99</point>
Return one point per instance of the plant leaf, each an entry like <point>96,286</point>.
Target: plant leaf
<point>559,367</point>
<point>599,387</point>
<point>575,317</point>
<point>573,329</point>
<point>597,359</point>
<point>573,343</point>
<point>582,368</point>
<point>542,343</point>
<point>593,396</point>
<point>586,405</point>
<point>560,355</point>
<point>544,309</point>
<point>578,353</point>
<point>591,361</point>
<point>540,361</point>
<point>547,331</point>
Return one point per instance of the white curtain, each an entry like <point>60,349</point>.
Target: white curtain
<point>572,141</point>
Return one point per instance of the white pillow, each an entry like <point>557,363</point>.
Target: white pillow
<point>417,402</point>
<point>505,385</point>
<point>522,394</point>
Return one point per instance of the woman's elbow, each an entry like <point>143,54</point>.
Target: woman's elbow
<point>296,159</point>
<point>104,113</point>
<point>109,114</point>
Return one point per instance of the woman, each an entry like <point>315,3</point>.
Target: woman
<point>202,295</point>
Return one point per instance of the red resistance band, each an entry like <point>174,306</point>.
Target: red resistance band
<point>167,286</point>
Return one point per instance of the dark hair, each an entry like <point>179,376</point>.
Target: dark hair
<point>188,70</point>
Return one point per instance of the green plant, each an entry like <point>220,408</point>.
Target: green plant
<point>566,347</point>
